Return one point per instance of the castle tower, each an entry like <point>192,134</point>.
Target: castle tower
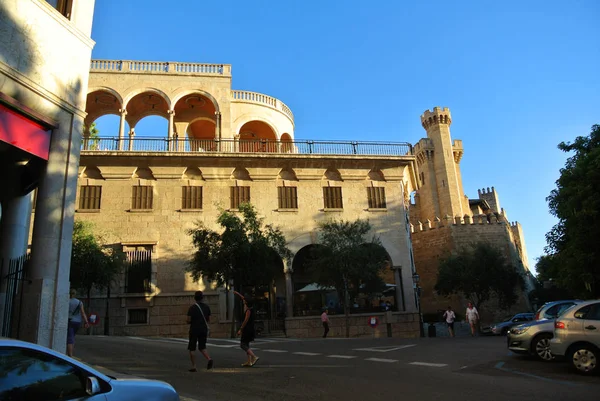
<point>441,191</point>
<point>491,197</point>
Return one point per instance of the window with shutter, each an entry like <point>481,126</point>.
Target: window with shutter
<point>332,197</point>
<point>142,197</point>
<point>239,195</point>
<point>376,197</point>
<point>191,197</point>
<point>89,197</point>
<point>287,197</point>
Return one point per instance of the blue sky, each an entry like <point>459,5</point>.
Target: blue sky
<point>518,76</point>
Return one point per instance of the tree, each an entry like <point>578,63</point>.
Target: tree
<point>93,138</point>
<point>244,253</point>
<point>576,203</point>
<point>93,265</point>
<point>478,272</point>
<point>347,261</point>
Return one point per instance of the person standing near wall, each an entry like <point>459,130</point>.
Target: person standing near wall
<point>76,317</point>
<point>472,317</point>
<point>450,317</point>
<point>325,321</point>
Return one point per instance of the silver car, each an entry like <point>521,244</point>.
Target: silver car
<point>577,336</point>
<point>32,372</point>
<point>534,337</point>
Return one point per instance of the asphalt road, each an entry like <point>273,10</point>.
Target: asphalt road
<point>426,369</point>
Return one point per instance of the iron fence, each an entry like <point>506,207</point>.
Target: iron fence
<point>13,282</point>
<point>303,147</point>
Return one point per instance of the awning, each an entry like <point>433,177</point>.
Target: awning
<point>315,287</point>
<point>23,133</point>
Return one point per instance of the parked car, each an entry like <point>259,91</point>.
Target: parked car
<point>577,336</point>
<point>32,372</point>
<point>534,337</point>
<point>510,321</point>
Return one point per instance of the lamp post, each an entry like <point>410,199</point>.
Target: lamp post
<point>416,278</point>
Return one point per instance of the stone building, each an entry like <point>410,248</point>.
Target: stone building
<point>444,219</point>
<point>222,147</point>
<point>45,51</point>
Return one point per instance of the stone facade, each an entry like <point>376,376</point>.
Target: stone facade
<point>219,139</point>
<point>444,219</point>
<point>44,67</point>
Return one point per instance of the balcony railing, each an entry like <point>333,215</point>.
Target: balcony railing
<point>259,98</point>
<point>304,147</point>
<point>153,67</point>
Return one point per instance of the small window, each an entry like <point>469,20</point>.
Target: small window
<point>89,197</point>
<point>239,195</point>
<point>332,197</point>
<point>137,316</point>
<point>142,197</point>
<point>422,178</point>
<point>62,6</point>
<point>32,375</point>
<point>287,197</point>
<point>139,272</point>
<point>376,197</point>
<point>191,197</point>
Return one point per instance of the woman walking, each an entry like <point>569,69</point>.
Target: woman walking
<point>76,316</point>
<point>246,331</point>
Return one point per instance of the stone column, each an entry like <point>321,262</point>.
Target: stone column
<point>47,297</point>
<point>218,130</point>
<point>122,128</point>
<point>131,135</point>
<point>171,126</point>
<point>14,237</point>
<point>289,290</point>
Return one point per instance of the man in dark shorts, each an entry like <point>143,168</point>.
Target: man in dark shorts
<point>198,317</point>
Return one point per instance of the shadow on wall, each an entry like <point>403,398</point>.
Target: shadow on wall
<point>57,184</point>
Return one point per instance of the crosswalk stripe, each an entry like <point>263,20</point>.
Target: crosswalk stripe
<point>381,360</point>
<point>274,350</point>
<point>341,356</point>
<point>307,353</point>
<point>435,365</point>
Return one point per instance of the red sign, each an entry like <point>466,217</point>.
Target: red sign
<point>93,319</point>
<point>373,321</point>
<point>24,133</point>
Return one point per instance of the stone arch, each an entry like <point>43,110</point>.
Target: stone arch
<point>112,91</point>
<point>375,175</point>
<point>139,91</point>
<point>287,174</point>
<point>287,143</point>
<point>246,118</point>
<point>202,128</point>
<point>184,93</point>
<point>102,101</point>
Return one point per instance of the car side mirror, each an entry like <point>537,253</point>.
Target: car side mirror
<point>92,386</point>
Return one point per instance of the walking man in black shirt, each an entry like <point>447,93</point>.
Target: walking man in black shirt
<point>198,317</point>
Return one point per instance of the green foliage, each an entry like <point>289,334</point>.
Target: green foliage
<point>93,136</point>
<point>92,264</point>
<point>572,242</point>
<point>478,272</point>
<point>346,260</point>
<point>244,252</point>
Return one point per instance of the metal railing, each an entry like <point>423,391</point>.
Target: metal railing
<point>306,147</point>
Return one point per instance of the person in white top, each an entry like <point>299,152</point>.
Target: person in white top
<point>450,317</point>
<point>472,317</point>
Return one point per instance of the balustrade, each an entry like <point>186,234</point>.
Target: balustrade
<point>190,145</point>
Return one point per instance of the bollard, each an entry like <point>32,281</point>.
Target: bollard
<point>431,330</point>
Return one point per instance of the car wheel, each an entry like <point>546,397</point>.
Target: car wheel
<point>541,347</point>
<point>584,358</point>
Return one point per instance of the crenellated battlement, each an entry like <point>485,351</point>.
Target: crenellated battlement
<point>437,116</point>
<point>485,191</point>
<point>491,219</point>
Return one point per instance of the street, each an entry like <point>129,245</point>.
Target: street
<point>343,369</point>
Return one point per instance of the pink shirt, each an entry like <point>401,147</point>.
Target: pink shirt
<point>324,317</point>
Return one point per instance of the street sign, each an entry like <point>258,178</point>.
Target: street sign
<point>373,321</point>
<point>93,319</point>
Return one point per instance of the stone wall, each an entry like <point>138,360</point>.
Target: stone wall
<point>403,325</point>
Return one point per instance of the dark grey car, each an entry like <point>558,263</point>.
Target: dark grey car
<point>502,327</point>
<point>534,337</point>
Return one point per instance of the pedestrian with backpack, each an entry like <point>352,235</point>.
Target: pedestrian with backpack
<point>76,317</point>
<point>198,317</point>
